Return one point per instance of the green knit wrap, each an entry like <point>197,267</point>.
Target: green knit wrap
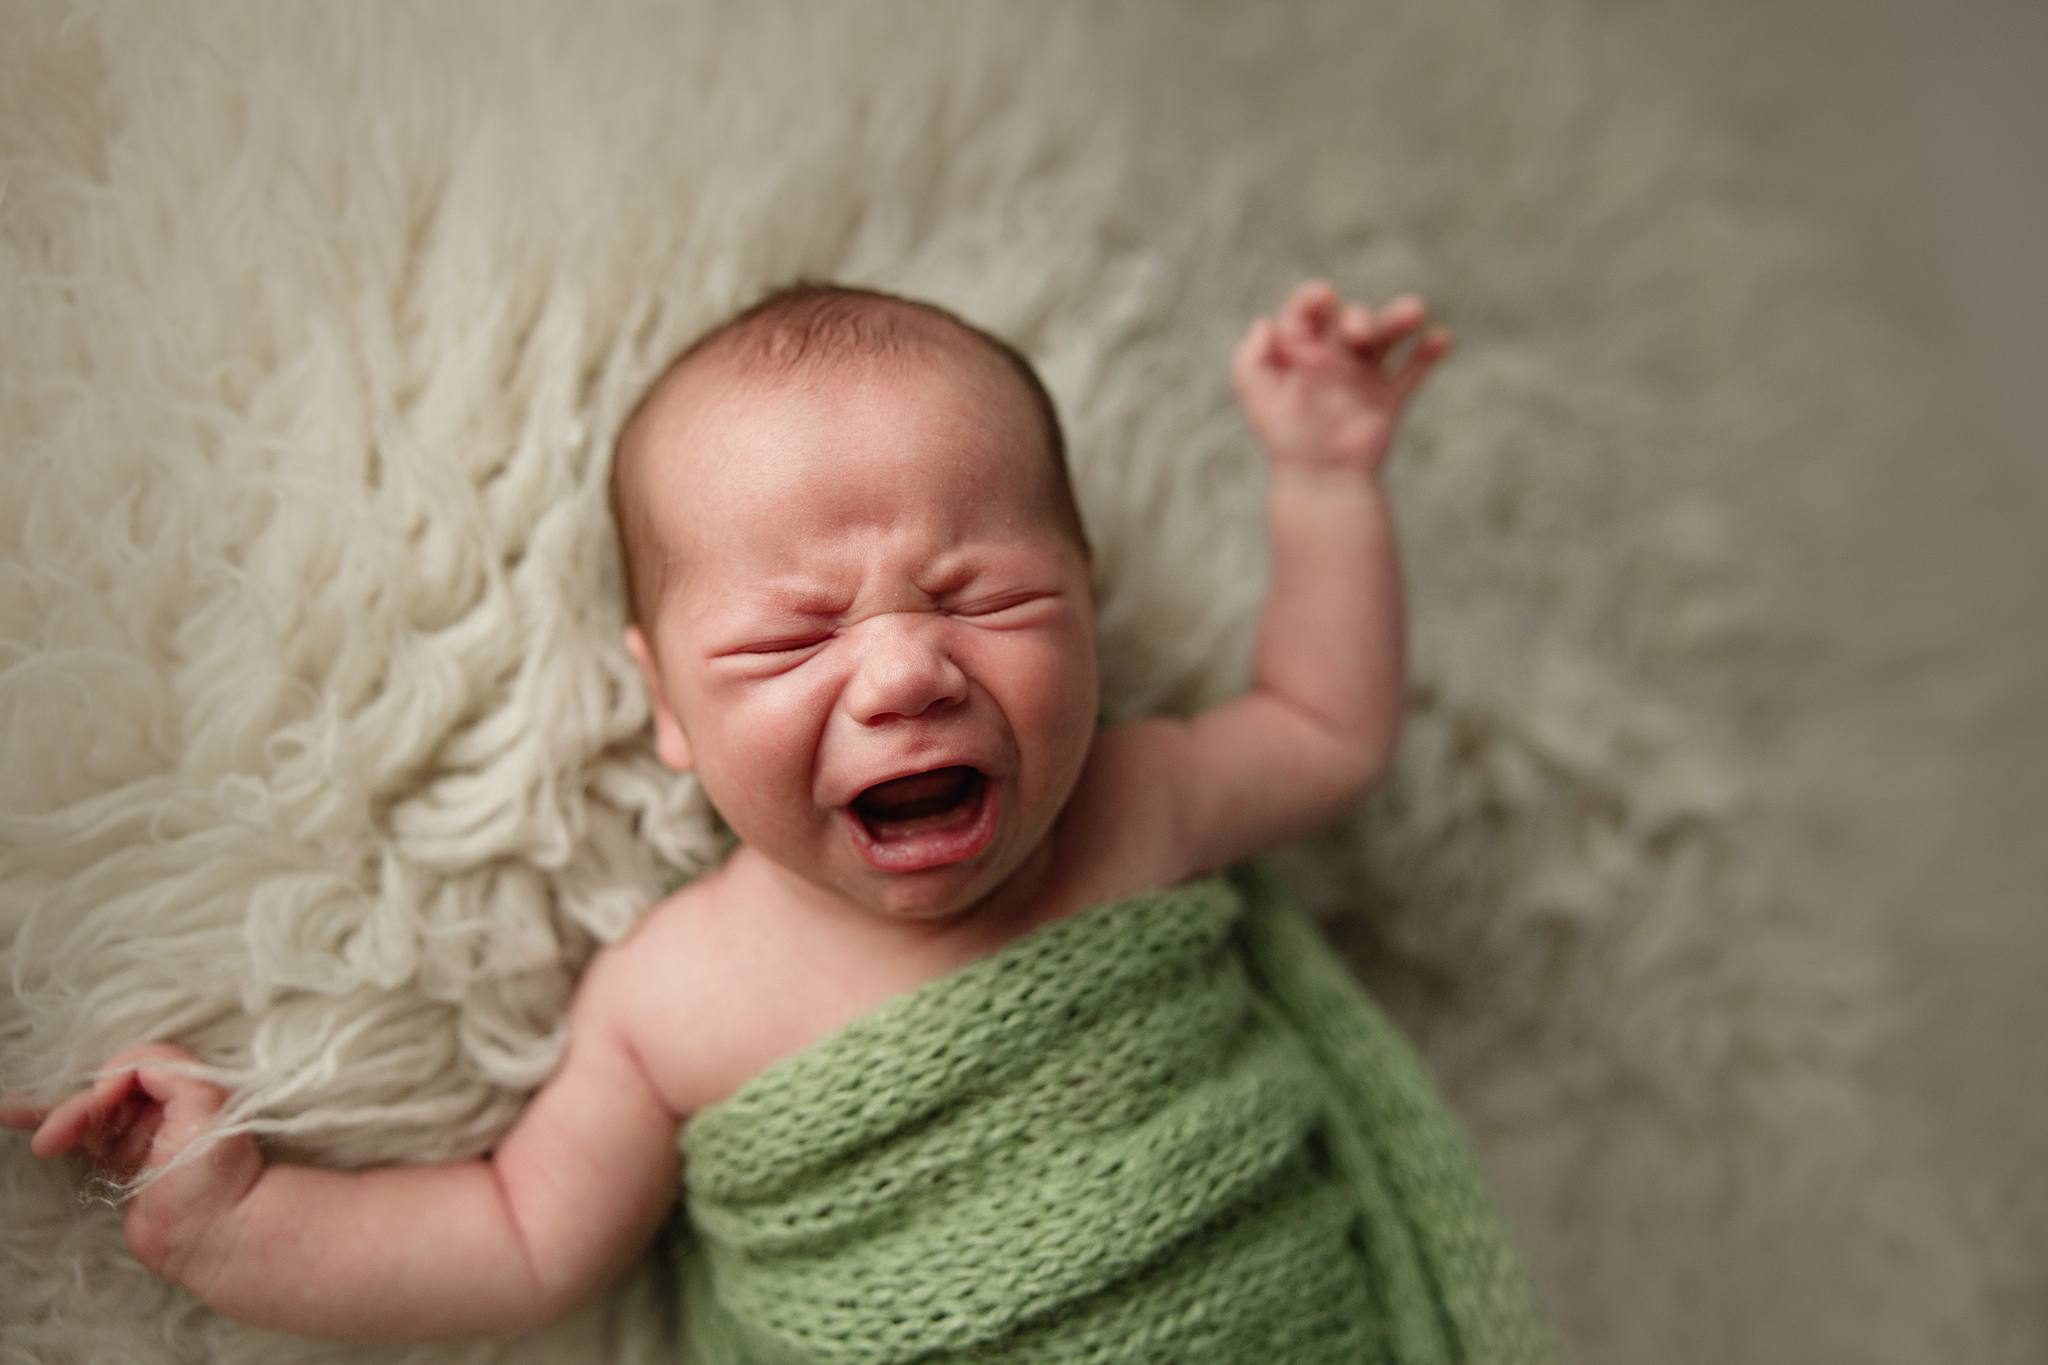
<point>1169,1129</point>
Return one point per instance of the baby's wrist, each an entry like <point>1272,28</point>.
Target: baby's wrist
<point>1319,478</point>
<point>195,1242</point>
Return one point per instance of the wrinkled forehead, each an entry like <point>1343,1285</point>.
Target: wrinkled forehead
<point>721,433</point>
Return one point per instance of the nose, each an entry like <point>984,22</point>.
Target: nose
<point>904,671</point>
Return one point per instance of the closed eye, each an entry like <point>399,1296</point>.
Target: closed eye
<point>793,645</point>
<point>1003,606</point>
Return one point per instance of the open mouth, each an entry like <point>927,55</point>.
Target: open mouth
<point>925,820</point>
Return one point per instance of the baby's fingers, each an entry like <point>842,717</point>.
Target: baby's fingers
<point>1400,319</point>
<point>1373,334</point>
<point>1434,346</point>
<point>104,1121</point>
<point>16,1112</point>
<point>1354,325</point>
<point>1259,350</point>
<point>85,1113</point>
<point>123,1143</point>
<point>1308,314</point>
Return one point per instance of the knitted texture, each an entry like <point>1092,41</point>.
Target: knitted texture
<point>1167,1129</point>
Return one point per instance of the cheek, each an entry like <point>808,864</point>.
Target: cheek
<point>1047,688</point>
<point>760,736</point>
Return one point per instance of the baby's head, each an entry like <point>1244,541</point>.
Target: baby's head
<point>859,593</point>
<point>803,332</point>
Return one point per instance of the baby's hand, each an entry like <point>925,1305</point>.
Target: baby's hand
<point>138,1117</point>
<point>1319,384</point>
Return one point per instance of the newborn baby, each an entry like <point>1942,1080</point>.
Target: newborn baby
<point>860,601</point>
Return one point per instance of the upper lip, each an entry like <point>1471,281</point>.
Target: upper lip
<point>910,770</point>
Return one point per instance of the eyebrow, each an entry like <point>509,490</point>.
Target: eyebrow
<point>780,601</point>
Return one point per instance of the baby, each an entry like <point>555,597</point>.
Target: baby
<point>860,601</point>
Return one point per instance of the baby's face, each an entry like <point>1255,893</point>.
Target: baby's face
<point>878,649</point>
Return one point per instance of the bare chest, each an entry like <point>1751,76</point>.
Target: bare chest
<point>762,985</point>
<point>759,978</point>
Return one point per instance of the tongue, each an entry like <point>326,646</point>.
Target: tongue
<point>906,798</point>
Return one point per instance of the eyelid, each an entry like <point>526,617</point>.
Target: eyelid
<point>791,645</point>
<point>775,646</point>
<point>1001,602</point>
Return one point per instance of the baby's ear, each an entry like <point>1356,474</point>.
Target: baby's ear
<point>670,742</point>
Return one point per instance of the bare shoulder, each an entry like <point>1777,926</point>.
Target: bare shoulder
<point>668,989</point>
<point>1123,827</point>
<point>621,973</point>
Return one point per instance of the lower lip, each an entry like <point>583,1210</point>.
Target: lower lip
<point>928,849</point>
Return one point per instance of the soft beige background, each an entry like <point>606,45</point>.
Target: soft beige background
<point>1969,79</point>
<point>1970,109</point>
<point>1710,877</point>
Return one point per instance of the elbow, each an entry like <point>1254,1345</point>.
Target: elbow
<point>538,1306</point>
<point>554,1296</point>
<point>550,1275</point>
<point>1350,748</point>
<point>1331,765</point>
<point>538,1294</point>
<point>1360,771</point>
<point>1354,763</point>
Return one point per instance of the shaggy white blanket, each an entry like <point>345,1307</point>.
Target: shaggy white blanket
<point>1704,877</point>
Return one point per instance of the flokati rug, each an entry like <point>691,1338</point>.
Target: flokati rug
<point>1705,881</point>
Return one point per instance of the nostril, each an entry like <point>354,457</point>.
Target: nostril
<point>904,681</point>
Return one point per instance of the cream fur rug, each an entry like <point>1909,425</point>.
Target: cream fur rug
<point>1709,875</point>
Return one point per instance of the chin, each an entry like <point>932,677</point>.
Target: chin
<point>933,903</point>
<point>939,893</point>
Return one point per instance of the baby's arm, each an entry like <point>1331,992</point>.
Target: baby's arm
<point>467,1248</point>
<point>1318,726</point>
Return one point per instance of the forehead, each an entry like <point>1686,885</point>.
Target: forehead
<point>737,464</point>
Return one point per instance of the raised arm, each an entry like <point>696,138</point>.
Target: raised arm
<point>402,1253</point>
<point>1324,392</point>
